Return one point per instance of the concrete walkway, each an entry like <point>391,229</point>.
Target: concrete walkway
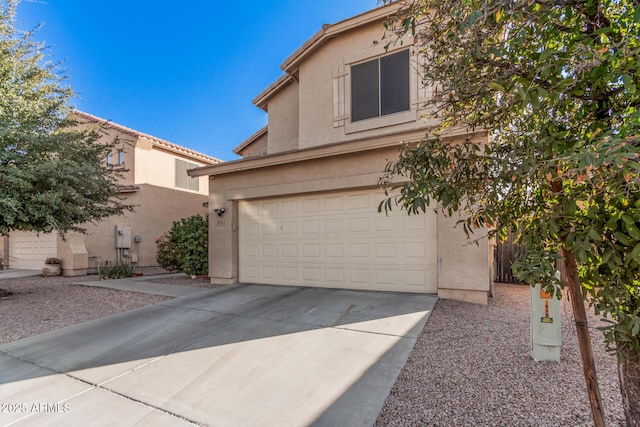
<point>143,285</point>
<point>245,355</point>
<point>14,274</point>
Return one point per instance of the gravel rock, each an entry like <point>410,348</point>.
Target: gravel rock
<point>471,366</point>
<point>42,304</point>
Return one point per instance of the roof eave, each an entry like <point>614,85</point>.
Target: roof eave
<point>160,143</point>
<point>250,140</point>
<point>290,65</point>
<point>330,31</point>
<point>261,100</point>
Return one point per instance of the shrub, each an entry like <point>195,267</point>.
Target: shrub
<point>185,246</point>
<point>115,271</point>
<point>166,255</point>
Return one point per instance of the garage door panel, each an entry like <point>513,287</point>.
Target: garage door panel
<point>270,272</point>
<point>311,274</point>
<point>333,226</point>
<point>387,224</point>
<point>290,251</point>
<point>337,240</point>
<point>334,203</point>
<point>250,229</point>
<point>359,202</point>
<point>29,250</point>
<point>387,251</point>
<point>290,274</point>
<point>334,250</point>
<point>311,205</point>
<point>270,251</point>
<point>359,278</point>
<point>358,224</point>
<point>250,251</point>
<point>289,228</point>
<point>334,276</point>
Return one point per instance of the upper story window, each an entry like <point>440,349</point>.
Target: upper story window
<point>183,180</point>
<point>380,87</point>
<point>120,158</point>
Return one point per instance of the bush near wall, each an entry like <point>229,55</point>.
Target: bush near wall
<point>185,246</point>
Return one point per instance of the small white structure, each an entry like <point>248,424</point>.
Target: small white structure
<point>546,336</point>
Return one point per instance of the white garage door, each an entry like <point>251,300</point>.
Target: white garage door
<point>28,251</point>
<point>337,240</point>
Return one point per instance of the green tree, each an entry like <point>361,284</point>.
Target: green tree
<point>184,247</point>
<point>557,86</point>
<point>53,176</point>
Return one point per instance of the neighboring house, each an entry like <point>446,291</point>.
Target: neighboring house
<point>156,182</point>
<point>300,207</point>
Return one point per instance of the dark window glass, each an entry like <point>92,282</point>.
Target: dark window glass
<point>364,91</point>
<point>394,84</point>
<point>380,87</point>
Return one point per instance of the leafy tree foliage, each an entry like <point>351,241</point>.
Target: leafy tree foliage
<point>52,174</point>
<point>184,247</point>
<point>557,86</point>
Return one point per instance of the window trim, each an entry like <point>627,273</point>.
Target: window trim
<point>189,180</point>
<point>394,119</point>
<point>373,79</point>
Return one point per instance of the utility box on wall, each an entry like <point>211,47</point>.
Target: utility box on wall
<point>546,335</point>
<point>123,237</point>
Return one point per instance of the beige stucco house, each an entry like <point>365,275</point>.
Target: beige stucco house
<point>156,182</point>
<point>300,207</point>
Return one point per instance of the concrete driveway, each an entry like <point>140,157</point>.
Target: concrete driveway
<point>240,355</point>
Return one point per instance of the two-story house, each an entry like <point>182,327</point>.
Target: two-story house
<point>155,181</point>
<point>301,206</point>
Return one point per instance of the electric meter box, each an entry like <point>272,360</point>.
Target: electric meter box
<point>123,237</point>
<point>546,334</point>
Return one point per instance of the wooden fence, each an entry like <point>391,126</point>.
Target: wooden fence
<point>505,253</point>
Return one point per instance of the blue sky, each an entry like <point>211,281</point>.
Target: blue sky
<point>183,71</point>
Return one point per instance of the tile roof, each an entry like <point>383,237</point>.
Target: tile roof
<point>169,146</point>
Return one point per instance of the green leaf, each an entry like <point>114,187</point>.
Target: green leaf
<point>546,54</point>
<point>635,253</point>
<point>497,86</point>
<point>595,236</point>
<point>628,219</point>
<point>628,83</point>
<point>633,231</point>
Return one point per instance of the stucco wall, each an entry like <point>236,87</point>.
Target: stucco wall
<point>158,167</point>
<point>125,142</point>
<point>156,210</point>
<point>256,148</point>
<point>283,120</point>
<point>317,75</point>
<point>464,269</point>
<point>4,251</point>
<point>341,172</point>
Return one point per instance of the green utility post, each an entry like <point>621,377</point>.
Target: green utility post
<point>546,337</point>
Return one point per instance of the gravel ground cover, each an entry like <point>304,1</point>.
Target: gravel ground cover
<point>43,304</point>
<point>471,367</point>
